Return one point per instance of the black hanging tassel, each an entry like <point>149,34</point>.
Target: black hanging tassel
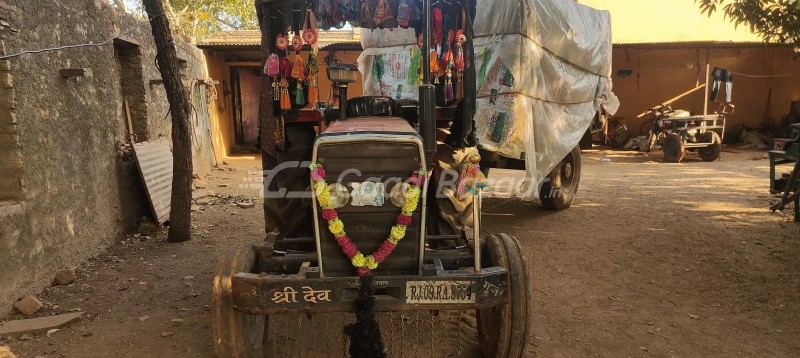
<point>365,334</point>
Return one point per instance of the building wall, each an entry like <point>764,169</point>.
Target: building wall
<point>71,188</point>
<point>659,75</point>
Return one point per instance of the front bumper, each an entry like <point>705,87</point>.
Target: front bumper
<point>307,292</point>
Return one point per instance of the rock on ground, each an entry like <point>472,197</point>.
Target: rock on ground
<point>65,277</point>
<point>28,305</point>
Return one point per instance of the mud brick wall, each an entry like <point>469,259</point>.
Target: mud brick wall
<point>68,189</point>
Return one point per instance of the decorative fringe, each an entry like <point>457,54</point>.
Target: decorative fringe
<point>448,86</point>
<point>300,98</point>
<point>434,66</point>
<point>365,334</point>
<point>313,94</point>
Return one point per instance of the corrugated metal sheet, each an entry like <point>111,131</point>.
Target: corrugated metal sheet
<point>155,166</point>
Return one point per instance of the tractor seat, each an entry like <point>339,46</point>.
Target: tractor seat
<point>372,106</point>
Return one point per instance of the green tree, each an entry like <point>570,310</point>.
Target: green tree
<point>775,21</point>
<point>196,19</point>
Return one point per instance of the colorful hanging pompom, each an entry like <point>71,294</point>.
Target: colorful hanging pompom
<point>297,43</point>
<point>281,42</point>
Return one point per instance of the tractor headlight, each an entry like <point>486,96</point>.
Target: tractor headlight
<point>339,195</point>
<point>398,194</point>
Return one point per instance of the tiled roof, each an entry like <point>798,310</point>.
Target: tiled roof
<point>253,38</point>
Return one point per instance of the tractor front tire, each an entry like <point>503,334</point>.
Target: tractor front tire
<point>503,330</point>
<point>236,334</point>
<point>559,189</point>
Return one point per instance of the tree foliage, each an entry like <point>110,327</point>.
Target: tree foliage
<point>775,21</point>
<point>196,19</point>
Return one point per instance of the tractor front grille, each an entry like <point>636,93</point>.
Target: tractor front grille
<point>369,226</point>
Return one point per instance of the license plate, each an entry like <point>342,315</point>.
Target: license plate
<point>367,194</point>
<point>439,292</point>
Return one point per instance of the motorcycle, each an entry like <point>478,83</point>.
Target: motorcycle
<point>653,129</point>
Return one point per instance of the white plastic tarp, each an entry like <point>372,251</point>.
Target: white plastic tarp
<point>541,77</point>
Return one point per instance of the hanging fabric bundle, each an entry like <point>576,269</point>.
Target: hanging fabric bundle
<point>337,17</point>
<point>434,66</point>
<point>323,13</point>
<point>437,31</point>
<point>383,12</point>
<point>366,15</point>
<point>403,14</point>
<point>350,10</point>
<point>459,63</point>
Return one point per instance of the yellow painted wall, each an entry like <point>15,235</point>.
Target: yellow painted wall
<point>641,21</point>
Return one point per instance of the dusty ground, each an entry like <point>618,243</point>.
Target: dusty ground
<point>655,259</point>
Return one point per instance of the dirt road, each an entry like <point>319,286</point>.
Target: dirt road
<point>655,259</point>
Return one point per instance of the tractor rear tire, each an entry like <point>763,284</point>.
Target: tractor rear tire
<point>503,330</point>
<point>673,148</point>
<point>559,189</point>
<point>712,152</point>
<point>236,334</point>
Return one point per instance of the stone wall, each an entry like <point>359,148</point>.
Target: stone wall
<point>68,188</point>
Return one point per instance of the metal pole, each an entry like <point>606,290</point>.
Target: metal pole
<point>476,230</point>
<point>426,40</point>
<point>708,70</point>
<point>427,91</point>
<point>342,101</point>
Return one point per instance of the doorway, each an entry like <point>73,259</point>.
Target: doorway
<point>246,83</point>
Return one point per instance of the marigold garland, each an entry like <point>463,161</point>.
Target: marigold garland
<point>364,264</point>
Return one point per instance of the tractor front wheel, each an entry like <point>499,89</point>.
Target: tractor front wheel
<point>236,334</point>
<point>503,330</point>
<point>559,189</point>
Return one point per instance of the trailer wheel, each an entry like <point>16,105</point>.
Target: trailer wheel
<point>236,334</point>
<point>710,153</point>
<point>673,148</point>
<point>558,190</point>
<point>503,330</point>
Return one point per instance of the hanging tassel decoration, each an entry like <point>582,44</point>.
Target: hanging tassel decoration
<point>448,86</point>
<point>434,66</point>
<point>286,73</point>
<point>299,73</point>
<point>365,334</point>
<point>460,65</point>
